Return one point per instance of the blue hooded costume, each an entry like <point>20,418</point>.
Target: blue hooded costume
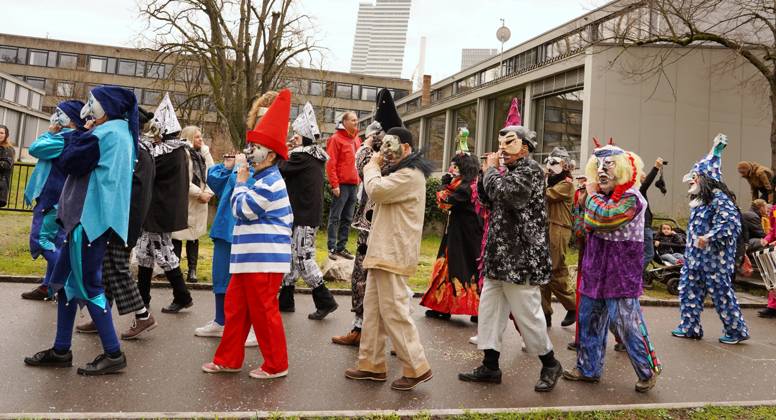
<point>45,184</point>
<point>714,217</point>
<point>95,201</point>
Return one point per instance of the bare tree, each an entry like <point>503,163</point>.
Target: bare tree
<point>745,27</point>
<point>240,47</point>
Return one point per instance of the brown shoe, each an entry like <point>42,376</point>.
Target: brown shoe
<point>362,375</point>
<point>405,384</point>
<point>352,338</point>
<point>38,293</point>
<point>139,326</point>
<point>87,328</point>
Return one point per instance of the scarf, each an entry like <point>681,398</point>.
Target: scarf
<point>554,179</point>
<point>199,170</point>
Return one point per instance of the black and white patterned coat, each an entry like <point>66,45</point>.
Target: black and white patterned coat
<point>517,247</point>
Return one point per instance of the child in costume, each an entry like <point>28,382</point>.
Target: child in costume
<point>611,268</point>
<point>261,250</point>
<point>712,231</point>
<point>95,201</point>
<point>303,174</point>
<point>45,186</point>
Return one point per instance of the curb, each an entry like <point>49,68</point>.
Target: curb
<point>644,301</point>
<point>433,413</point>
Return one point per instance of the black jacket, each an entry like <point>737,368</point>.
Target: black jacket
<point>169,210</point>
<point>303,174</point>
<point>751,225</point>
<point>142,189</point>
<point>643,190</point>
<point>670,244</point>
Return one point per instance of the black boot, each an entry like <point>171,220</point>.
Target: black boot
<point>144,275</point>
<point>181,298</point>
<point>104,364</point>
<point>570,319</point>
<point>192,254</point>
<point>286,299</point>
<point>324,303</point>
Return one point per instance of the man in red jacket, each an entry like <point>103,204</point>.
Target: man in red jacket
<point>343,178</point>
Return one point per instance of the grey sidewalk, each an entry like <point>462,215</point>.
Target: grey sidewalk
<point>164,369</point>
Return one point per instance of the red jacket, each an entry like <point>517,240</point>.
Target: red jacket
<point>341,166</point>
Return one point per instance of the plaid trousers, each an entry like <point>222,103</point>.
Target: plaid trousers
<point>117,279</point>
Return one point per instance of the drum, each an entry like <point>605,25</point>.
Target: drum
<point>766,262</point>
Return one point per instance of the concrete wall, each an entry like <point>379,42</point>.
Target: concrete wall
<point>677,114</point>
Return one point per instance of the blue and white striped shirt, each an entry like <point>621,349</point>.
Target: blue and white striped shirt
<point>261,240</point>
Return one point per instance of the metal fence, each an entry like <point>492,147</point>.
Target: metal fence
<point>21,173</point>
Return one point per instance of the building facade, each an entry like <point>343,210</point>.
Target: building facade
<point>571,90</point>
<point>381,34</point>
<point>472,56</point>
<point>63,70</point>
<point>20,111</point>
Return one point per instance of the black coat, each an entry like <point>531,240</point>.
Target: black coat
<point>751,225</point>
<point>7,155</point>
<point>303,174</point>
<point>169,210</point>
<point>463,236</point>
<point>142,193</point>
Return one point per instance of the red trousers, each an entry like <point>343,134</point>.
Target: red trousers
<point>251,299</point>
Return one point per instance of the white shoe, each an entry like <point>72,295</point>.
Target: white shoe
<point>251,340</point>
<point>211,329</point>
<point>473,340</point>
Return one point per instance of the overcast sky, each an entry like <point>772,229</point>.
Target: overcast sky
<point>448,25</point>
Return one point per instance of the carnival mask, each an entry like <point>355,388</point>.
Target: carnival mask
<point>59,118</point>
<point>606,176</point>
<point>391,149</point>
<point>695,183</point>
<point>255,153</point>
<point>92,108</point>
<point>509,143</point>
<point>454,170</point>
<point>554,165</point>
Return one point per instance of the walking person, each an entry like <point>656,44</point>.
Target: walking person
<point>399,193</point>
<point>7,158</point>
<point>95,201</point>
<point>261,252</point>
<point>44,187</point>
<point>303,174</point>
<point>199,197</point>
<point>343,180</point>
<point>517,259</point>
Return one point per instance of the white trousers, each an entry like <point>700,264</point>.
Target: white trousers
<point>497,300</point>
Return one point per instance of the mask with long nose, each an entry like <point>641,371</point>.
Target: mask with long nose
<point>606,176</point>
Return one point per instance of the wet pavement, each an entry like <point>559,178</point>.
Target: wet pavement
<point>164,368</point>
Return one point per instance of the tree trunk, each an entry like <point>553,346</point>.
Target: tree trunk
<point>773,128</point>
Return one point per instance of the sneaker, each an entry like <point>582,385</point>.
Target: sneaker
<point>682,334</point>
<point>570,319</point>
<point>438,315</point>
<point>406,384</point>
<point>260,374</point>
<point>346,254</point>
<point>620,347</point>
<point>49,358</point>
<point>644,386</point>
<point>211,367</point>
<point>573,346</point>
<point>251,340</point>
<point>38,293</point>
<point>482,374</point>
<point>87,328</point>
<point>175,307</point>
<point>139,326</point>
<point>211,329</point>
<point>103,365</point>
<point>474,319</point>
<point>576,375</point>
<point>362,375</point>
<point>333,254</point>
<point>548,378</point>
<point>473,340</point>
<point>767,313</point>
<point>352,338</point>
<point>726,339</point>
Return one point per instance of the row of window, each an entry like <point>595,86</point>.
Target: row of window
<point>337,89</point>
<point>19,95</point>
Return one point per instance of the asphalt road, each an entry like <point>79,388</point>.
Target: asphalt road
<point>164,368</point>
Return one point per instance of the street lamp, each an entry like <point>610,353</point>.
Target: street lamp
<point>502,34</point>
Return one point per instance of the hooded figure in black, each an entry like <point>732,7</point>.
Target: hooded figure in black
<point>169,207</point>
<point>303,174</point>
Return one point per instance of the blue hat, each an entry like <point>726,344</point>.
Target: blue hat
<point>73,111</point>
<point>119,103</point>
<point>711,165</point>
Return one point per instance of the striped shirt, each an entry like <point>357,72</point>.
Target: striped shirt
<point>261,240</point>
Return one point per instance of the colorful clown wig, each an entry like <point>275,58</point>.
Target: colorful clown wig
<point>628,167</point>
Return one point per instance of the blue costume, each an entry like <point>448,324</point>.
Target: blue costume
<point>45,185</point>
<point>710,269</point>
<point>222,181</point>
<point>95,201</point>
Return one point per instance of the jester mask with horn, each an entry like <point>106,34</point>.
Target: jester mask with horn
<point>613,169</point>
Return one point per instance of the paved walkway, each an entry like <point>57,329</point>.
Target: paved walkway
<point>164,368</point>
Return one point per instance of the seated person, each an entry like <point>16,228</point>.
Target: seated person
<point>752,231</point>
<point>670,245</point>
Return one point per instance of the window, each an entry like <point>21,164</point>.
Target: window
<point>68,61</point>
<point>8,54</point>
<point>98,64</point>
<point>140,69</point>
<point>22,96</point>
<point>344,91</point>
<point>400,93</point>
<point>111,66</point>
<point>156,70</point>
<point>294,112</point>
<point>316,88</point>
<point>10,92</point>
<point>355,93</point>
<point>435,138</point>
<point>52,59</point>
<point>152,97</point>
<point>37,82</point>
<point>328,115</point>
<point>465,116</point>
<point>126,67</point>
<point>65,89</point>
<point>35,100</point>
<point>368,93</point>
<point>38,58</point>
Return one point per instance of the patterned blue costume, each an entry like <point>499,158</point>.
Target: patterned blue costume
<point>714,217</point>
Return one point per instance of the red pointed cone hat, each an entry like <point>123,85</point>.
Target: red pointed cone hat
<point>272,128</point>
